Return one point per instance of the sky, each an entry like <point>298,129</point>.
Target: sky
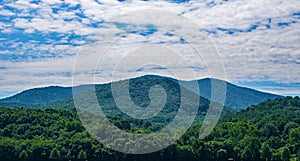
<point>257,41</point>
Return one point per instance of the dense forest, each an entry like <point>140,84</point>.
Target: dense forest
<point>267,131</point>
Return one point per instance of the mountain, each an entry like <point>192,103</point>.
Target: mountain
<point>159,112</point>
<point>37,97</point>
<point>236,96</point>
<point>54,96</point>
<point>40,97</point>
<point>140,96</point>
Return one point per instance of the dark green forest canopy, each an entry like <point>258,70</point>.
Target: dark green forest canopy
<point>268,131</point>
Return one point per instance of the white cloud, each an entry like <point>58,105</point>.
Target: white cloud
<point>22,5</point>
<point>72,2</point>
<point>21,22</point>
<point>25,75</point>
<point>240,14</point>
<point>6,13</point>
<point>261,52</point>
<point>52,1</point>
<point>271,54</point>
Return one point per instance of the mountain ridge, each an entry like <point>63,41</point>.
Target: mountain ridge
<point>236,96</point>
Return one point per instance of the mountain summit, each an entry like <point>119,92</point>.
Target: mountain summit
<point>53,96</point>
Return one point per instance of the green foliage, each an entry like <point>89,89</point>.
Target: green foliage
<point>55,154</point>
<point>247,154</point>
<point>222,155</point>
<point>294,135</point>
<point>57,134</point>
<point>285,154</point>
<point>266,153</point>
<point>82,155</point>
<point>23,155</point>
<point>262,132</point>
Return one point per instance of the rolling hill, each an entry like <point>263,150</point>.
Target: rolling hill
<point>236,96</point>
<point>37,97</point>
<point>61,97</point>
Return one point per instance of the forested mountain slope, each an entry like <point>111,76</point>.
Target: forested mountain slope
<point>268,131</point>
<point>61,97</point>
<point>37,97</point>
<point>236,96</point>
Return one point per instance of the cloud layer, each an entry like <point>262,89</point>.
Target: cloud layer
<point>258,40</point>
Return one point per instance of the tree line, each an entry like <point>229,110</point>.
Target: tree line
<point>269,131</point>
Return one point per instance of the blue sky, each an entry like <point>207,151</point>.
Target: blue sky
<point>258,41</point>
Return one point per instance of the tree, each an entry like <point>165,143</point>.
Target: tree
<point>290,125</point>
<point>294,135</point>
<point>249,148</point>
<point>247,155</point>
<point>266,153</point>
<point>285,154</point>
<point>23,155</point>
<point>222,154</point>
<point>55,154</point>
<point>82,155</point>
<point>270,130</point>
